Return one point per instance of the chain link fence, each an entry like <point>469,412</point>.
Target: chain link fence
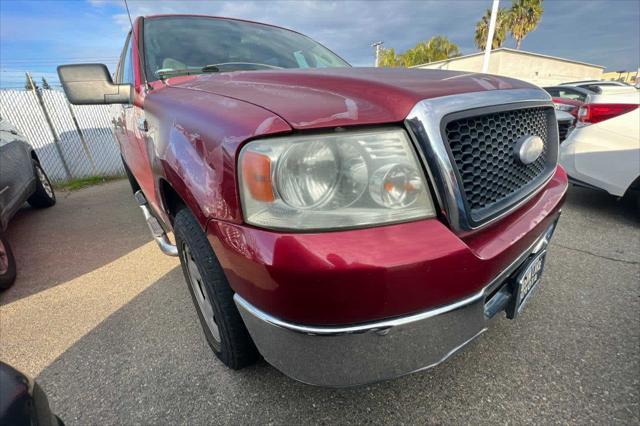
<point>71,141</point>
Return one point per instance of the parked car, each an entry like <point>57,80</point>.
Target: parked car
<point>603,152</point>
<point>22,179</point>
<point>596,86</point>
<point>22,400</point>
<point>568,99</point>
<point>566,123</point>
<point>581,83</point>
<point>350,224</point>
<point>567,105</point>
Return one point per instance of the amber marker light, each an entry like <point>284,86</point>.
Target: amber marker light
<point>256,172</point>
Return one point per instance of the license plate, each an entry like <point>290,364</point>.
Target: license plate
<point>528,279</point>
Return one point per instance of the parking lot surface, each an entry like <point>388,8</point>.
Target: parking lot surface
<point>105,323</point>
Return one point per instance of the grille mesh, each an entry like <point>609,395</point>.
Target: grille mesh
<point>482,148</point>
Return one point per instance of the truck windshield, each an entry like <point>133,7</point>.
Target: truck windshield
<point>186,44</point>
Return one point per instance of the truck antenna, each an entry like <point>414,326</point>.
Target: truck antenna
<point>135,39</point>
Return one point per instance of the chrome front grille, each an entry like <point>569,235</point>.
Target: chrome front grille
<point>482,149</point>
<point>466,143</point>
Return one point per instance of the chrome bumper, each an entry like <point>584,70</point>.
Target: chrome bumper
<point>359,354</point>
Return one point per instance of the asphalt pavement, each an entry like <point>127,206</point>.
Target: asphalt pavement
<point>105,323</point>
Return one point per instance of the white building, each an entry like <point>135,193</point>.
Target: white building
<point>542,70</point>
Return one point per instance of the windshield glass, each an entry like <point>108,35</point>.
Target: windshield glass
<point>191,43</point>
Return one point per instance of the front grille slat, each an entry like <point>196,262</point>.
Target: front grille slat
<point>489,173</point>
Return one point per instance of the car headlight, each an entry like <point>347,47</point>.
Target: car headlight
<point>340,180</point>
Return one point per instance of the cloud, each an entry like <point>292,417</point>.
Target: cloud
<point>349,27</point>
<point>36,36</point>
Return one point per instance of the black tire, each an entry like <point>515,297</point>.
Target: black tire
<point>7,264</point>
<point>633,194</point>
<point>44,195</point>
<point>235,348</point>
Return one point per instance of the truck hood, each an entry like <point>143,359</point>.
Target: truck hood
<point>331,97</point>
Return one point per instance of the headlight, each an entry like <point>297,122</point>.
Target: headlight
<point>341,180</point>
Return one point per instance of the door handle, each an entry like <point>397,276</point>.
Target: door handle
<point>143,125</point>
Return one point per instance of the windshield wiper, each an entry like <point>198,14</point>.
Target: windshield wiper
<point>171,72</point>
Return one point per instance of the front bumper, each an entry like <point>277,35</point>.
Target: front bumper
<point>339,356</point>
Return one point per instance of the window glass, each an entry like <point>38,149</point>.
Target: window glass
<point>118,76</point>
<point>190,43</point>
<point>569,94</point>
<point>127,69</point>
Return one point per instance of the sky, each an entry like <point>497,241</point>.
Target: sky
<point>37,36</point>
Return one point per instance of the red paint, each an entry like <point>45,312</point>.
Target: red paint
<point>367,274</point>
<point>196,127</point>
<point>331,97</point>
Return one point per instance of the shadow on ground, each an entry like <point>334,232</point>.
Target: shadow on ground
<point>569,358</point>
<point>602,204</point>
<point>85,230</point>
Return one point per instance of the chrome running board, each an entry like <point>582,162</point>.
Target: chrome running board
<point>154,226</point>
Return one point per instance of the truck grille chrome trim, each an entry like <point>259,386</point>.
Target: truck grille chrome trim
<point>352,356</point>
<point>426,123</point>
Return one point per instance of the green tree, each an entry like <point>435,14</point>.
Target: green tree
<point>388,58</point>
<point>435,49</point>
<point>440,47</point>
<point>501,30</point>
<point>524,17</point>
<point>27,84</point>
<point>45,84</point>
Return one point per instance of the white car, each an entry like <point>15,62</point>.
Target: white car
<point>596,86</point>
<point>565,124</point>
<point>603,151</point>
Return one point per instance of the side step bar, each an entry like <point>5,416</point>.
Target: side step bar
<point>154,226</point>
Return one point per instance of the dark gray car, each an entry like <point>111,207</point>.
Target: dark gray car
<point>22,179</point>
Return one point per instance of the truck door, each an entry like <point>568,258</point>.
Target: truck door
<point>118,110</point>
<point>131,137</point>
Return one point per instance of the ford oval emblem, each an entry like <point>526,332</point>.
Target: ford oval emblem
<point>528,148</point>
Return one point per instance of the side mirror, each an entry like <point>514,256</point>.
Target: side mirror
<point>91,84</point>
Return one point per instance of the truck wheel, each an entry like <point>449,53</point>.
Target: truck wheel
<point>44,195</point>
<point>212,295</point>
<point>7,264</point>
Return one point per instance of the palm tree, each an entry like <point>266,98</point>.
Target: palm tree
<point>524,17</point>
<point>388,58</point>
<point>435,49</point>
<point>500,33</point>
<point>440,47</point>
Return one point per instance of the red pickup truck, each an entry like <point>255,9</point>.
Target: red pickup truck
<point>349,224</point>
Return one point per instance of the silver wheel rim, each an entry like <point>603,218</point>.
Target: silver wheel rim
<point>44,181</point>
<point>4,259</point>
<point>202,297</point>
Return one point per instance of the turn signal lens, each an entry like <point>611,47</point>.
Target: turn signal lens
<point>256,173</point>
